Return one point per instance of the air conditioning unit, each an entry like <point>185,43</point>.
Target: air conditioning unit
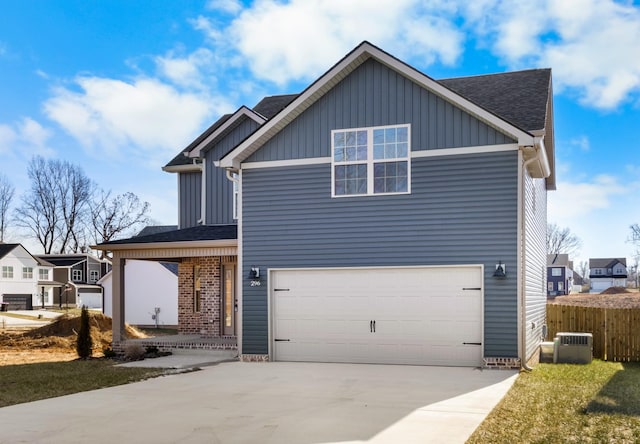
<point>573,348</point>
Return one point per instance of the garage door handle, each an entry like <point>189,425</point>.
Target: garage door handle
<point>372,326</point>
<point>282,340</point>
<point>472,343</point>
<point>472,288</point>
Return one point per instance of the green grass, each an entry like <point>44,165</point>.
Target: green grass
<point>560,403</point>
<point>31,382</point>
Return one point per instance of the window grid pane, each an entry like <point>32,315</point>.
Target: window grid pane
<point>353,152</point>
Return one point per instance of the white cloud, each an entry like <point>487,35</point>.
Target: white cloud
<point>579,199</point>
<point>26,137</point>
<point>582,142</point>
<point>228,6</point>
<point>146,114</point>
<point>300,39</point>
<point>186,71</point>
<point>592,45</point>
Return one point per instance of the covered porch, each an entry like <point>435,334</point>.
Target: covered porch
<point>208,307</point>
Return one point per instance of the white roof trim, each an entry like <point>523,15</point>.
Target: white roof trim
<point>242,111</point>
<point>194,167</point>
<point>343,68</point>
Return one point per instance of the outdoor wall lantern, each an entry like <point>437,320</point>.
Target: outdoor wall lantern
<point>501,271</point>
<point>254,273</point>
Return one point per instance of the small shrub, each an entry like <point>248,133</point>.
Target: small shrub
<point>84,343</point>
<point>133,352</point>
<point>151,350</point>
<point>109,353</point>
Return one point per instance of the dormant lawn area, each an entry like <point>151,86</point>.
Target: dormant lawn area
<point>42,363</point>
<point>560,403</point>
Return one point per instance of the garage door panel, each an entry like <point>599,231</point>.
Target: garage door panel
<point>422,315</point>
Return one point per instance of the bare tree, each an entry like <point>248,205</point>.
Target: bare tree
<point>74,192</point>
<point>583,270</point>
<point>6,196</point>
<point>635,234</point>
<point>54,207</point>
<point>115,216</point>
<point>39,212</point>
<point>561,240</point>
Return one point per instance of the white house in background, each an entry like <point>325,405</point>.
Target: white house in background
<point>152,293</point>
<point>25,280</point>
<point>607,272</point>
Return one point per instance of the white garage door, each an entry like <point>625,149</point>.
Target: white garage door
<point>420,315</point>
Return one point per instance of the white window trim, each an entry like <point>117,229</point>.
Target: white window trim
<point>556,272</point>
<point>94,276</point>
<point>78,273</point>
<point>26,271</point>
<point>43,274</point>
<point>7,272</point>
<point>370,161</point>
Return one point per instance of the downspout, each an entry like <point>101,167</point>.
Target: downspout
<point>538,147</point>
<point>203,194</point>
<point>239,284</point>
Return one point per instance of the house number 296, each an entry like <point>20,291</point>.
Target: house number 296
<point>255,283</point>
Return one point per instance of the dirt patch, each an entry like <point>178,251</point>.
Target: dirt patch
<point>624,299</point>
<point>615,290</point>
<point>57,341</point>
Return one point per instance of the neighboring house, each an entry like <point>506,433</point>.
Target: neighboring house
<point>559,275</point>
<point>152,293</point>
<point>607,272</point>
<point>578,283</point>
<point>79,273</point>
<point>25,280</point>
<point>379,216</point>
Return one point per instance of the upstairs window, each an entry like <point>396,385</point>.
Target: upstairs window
<point>7,272</point>
<point>27,272</point>
<point>43,274</point>
<point>76,275</point>
<point>94,275</point>
<point>556,272</point>
<point>371,161</point>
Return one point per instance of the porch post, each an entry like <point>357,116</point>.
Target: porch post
<point>117,298</point>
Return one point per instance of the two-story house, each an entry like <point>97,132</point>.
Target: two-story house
<point>25,280</point>
<point>379,216</point>
<point>607,272</point>
<point>79,274</point>
<point>560,275</point>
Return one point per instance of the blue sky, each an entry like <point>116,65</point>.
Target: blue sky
<point>120,87</point>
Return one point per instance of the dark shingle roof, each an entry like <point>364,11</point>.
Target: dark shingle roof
<point>272,105</point>
<point>6,249</point>
<point>155,229</point>
<point>199,233</point>
<point>181,159</point>
<point>606,262</point>
<point>63,261</point>
<point>267,107</point>
<point>518,97</point>
<point>171,266</point>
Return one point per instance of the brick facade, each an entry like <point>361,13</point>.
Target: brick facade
<point>206,321</point>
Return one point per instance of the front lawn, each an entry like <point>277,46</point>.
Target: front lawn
<point>560,403</point>
<point>31,382</point>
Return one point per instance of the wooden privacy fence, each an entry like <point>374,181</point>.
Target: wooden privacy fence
<point>616,331</point>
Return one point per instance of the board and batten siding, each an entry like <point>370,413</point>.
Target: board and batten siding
<point>374,95</point>
<point>189,201</point>
<point>535,261</point>
<point>462,210</point>
<point>219,189</point>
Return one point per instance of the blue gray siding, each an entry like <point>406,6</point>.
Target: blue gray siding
<point>375,95</point>
<point>462,210</point>
<point>535,261</point>
<point>189,200</point>
<point>219,204</point>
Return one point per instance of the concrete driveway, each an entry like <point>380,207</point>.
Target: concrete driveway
<point>272,402</point>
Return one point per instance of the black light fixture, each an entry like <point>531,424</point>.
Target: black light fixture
<point>501,271</point>
<point>254,273</point>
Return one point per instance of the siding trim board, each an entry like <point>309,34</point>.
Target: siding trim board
<point>342,69</point>
<point>414,155</point>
